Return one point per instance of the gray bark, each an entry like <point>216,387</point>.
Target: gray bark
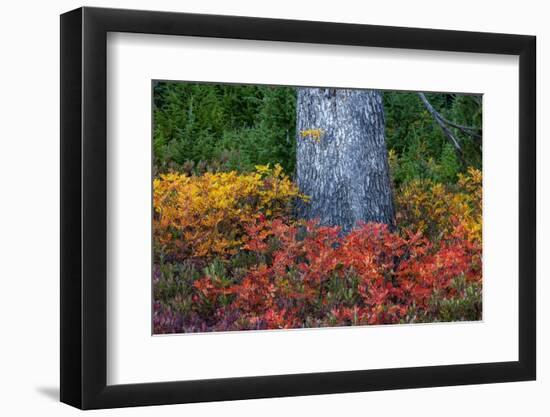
<point>345,171</point>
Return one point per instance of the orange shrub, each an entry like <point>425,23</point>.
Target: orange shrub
<point>203,216</point>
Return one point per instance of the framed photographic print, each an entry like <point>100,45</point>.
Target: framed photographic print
<point>256,208</point>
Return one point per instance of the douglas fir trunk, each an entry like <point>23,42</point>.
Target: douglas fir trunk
<point>342,161</point>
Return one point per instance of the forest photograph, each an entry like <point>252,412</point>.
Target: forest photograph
<point>279,207</point>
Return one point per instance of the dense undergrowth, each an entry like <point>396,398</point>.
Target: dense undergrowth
<point>229,256</point>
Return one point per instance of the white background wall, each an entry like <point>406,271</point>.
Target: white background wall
<point>29,225</point>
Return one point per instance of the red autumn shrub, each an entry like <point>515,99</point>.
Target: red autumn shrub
<point>305,275</point>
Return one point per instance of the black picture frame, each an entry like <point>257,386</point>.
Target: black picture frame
<point>84,207</point>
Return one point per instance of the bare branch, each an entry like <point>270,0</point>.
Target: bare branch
<point>441,122</point>
<point>467,130</point>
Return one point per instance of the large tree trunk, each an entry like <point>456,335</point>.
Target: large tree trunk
<point>342,161</point>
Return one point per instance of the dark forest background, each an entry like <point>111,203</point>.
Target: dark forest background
<point>217,127</point>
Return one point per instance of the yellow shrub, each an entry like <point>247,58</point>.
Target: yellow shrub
<point>435,208</point>
<point>201,216</point>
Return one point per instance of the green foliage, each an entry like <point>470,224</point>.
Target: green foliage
<point>419,149</point>
<point>448,166</point>
<point>201,127</point>
<point>174,280</point>
<point>466,307</point>
<point>223,126</point>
